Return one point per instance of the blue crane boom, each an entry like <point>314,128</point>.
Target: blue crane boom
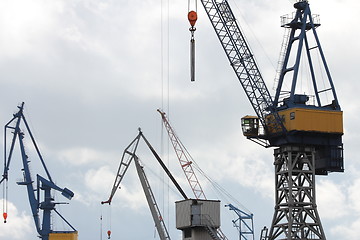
<point>47,205</point>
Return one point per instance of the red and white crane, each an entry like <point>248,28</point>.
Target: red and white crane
<point>184,159</point>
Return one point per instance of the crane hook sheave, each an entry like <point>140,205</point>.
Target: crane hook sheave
<point>192,17</point>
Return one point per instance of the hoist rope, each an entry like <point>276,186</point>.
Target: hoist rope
<point>220,190</point>
<point>190,3</point>
<point>5,182</point>
<point>5,199</point>
<point>101,225</point>
<point>322,75</point>
<point>253,34</point>
<point>152,172</point>
<point>165,87</point>
<point>109,219</point>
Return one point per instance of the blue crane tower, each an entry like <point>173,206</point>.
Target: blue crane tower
<point>305,128</point>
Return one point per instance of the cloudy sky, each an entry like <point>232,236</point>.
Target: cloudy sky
<point>92,71</point>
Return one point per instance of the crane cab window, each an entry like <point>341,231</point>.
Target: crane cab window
<point>250,126</point>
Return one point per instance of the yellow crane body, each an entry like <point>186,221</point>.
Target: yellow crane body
<point>64,236</point>
<point>310,120</point>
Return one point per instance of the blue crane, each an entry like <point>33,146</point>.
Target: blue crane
<point>244,223</point>
<point>307,134</point>
<point>46,205</point>
<point>279,128</point>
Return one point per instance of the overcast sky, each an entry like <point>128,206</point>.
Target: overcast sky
<point>92,71</point>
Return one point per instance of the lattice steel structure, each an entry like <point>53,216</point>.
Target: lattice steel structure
<point>296,215</point>
<point>239,55</point>
<point>184,158</point>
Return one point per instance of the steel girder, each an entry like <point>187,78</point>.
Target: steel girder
<point>296,216</point>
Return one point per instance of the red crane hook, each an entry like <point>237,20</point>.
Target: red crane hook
<point>5,216</point>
